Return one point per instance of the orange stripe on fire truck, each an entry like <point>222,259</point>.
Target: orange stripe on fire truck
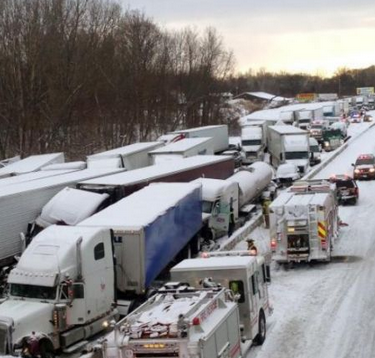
<point>322,231</point>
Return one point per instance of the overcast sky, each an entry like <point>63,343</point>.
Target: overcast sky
<point>315,36</point>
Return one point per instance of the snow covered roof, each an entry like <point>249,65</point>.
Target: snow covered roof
<point>48,254</point>
<point>63,179</point>
<point>200,128</point>
<point>294,199</point>
<point>274,114</point>
<point>287,129</point>
<point>126,150</point>
<point>31,176</point>
<point>213,263</point>
<point>142,207</point>
<point>213,188</point>
<point>32,163</point>
<point>157,170</point>
<point>265,96</point>
<point>65,166</point>
<point>181,145</point>
<point>70,206</point>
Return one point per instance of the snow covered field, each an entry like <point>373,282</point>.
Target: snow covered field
<point>327,310</point>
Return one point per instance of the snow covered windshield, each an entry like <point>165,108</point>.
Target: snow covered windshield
<point>251,142</point>
<point>314,148</point>
<point>30,291</point>
<point>296,155</point>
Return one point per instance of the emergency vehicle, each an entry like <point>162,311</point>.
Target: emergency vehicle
<point>304,222</point>
<point>221,319</point>
<point>364,167</point>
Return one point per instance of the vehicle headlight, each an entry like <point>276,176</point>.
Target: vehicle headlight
<point>372,170</point>
<point>356,171</point>
<point>326,144</point>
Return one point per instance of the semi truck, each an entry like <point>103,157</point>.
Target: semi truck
<point>31,164</point>
<point>226,202</point>
<point>184,148</point>
<point>289,144</point>
<point>305,117</point>
<point>304,222</point>
<point>132,156</point>
<point>221,319</point>
<point>218,133</point>
<point>121,185</point>
<point>70,280</point>
<point>21,203</point>
<point>253,141</point>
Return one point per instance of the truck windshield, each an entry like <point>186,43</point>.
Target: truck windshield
<point>306,120</point>
<point>316,126</point>
<point>296,155</point>
<point>367,161</point>
<point>251,142</point>
<point>30,291</point>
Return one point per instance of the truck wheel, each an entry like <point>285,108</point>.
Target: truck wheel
<point>46,350</point>
<point>262,329</point>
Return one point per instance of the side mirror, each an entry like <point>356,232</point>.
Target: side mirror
<point>352,164</point>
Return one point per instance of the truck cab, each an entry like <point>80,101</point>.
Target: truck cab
<point>244,274</point>
<point>62,289</point>
<point>220,206</point>
<point>253,142</point>
<point>315,151</point>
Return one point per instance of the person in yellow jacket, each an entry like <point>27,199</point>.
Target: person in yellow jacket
<point>266,212</point>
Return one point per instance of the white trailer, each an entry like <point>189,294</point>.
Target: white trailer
<point>289,144</point>
<point>31,164</point>
<point>21,203</point>
<point>219,134</point>
<point>288,117</point>
<point>304,223</point>
<point>253,141</point>
<point>17,179</point>
<point>305,117</point>
<point>205,322</point>
<point>130,157</point>
<point>184,148</point>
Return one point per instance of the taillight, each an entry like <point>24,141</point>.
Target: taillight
<point>273,244</point>
<point>323,243</point>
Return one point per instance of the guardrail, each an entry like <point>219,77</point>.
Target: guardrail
<point>337,152</point>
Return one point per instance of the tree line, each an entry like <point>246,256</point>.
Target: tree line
<point>82,75</point>
<point>85,75</point>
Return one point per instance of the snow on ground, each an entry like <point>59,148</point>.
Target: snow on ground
<point>326,310</point>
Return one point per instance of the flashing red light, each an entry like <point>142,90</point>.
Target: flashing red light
<point>196,321</point>
<point>205,255</point>
<point>273,244</point>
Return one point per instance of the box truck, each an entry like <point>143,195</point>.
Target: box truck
<point>132,156</point>
<point>289,144</point>
<point>183,148</point>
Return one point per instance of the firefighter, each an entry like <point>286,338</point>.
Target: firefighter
<point>266,211</point>
<point>251,247</point>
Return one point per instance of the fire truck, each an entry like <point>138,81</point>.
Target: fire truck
<point>304,222</point>
<point>221,318</point>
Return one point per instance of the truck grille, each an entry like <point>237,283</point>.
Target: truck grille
<point>156,354</point>
<point>3,340</point>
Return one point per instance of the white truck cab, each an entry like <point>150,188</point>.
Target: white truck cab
<point>62,289</point>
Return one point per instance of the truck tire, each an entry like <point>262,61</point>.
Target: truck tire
<point>46,349</point>
<point>262,329</point>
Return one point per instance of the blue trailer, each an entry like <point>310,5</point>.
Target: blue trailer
<point>150,227</point>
